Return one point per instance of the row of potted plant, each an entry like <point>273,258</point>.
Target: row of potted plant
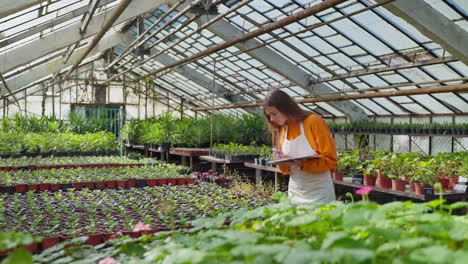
<point>236,151</point>
<point>59,144</point>
<point>42,162</point>
<point>360,232</point>
<point>74,123</point>
<point>196,132</point>
<point>93,178</point>
<point>394,170</point>
<point>191,151</point>
<point>88,212</point>
<point>460,129</point>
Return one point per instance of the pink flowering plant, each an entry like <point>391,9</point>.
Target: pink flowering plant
<point>140,226</point>
<point>364,191</point>
<point>109,260</point>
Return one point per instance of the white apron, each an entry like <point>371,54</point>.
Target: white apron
<point>305,187</point>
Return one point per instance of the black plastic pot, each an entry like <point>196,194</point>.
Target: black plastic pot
<point>165,146</point>
<point>66,186</point>
<point>7,189</point>
<point>358,179</point>
<point>141,182</point>
<point>428,191</point>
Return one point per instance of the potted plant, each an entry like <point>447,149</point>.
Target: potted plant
<point>198,133</point>
<point>394,171</point>
<point>449,165</point>
<point>369,171</point>
<point>166,125</point>
<point>352,164</point>
<point>463,170</point>
<point>424,176</point>
<point>265,155</point>
<point>338,174</point>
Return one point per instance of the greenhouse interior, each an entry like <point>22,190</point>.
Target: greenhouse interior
<point>233,131</point>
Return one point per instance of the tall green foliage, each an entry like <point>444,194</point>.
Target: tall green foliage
<point>245,129</point>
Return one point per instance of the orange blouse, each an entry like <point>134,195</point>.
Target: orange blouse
<point>320,138</point>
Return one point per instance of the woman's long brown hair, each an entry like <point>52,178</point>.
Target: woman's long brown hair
<point>286,105</point>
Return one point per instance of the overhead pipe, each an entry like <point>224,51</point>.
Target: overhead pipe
<point>185,23</point>
<point>142,35</point>
<point>268,28</point>
<point>246,92</point>
<point>120,8</point>
<point>393,86</point>
<point>388,68</point>
<point>207,24</point>
<point>232,9</point>
<point>309,28</point>
<point>430,90</point>
<point>9,91</point>
<point>174,18</point>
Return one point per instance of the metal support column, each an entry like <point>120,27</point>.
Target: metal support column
<point>120,130</point>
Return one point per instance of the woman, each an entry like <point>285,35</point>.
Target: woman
<point>302,133</point>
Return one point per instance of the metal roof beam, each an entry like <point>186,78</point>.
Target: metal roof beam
<point>389,68</point>
<point>48,24</point>
<point>430,90</point>
<point>271,59</point>
<point>10,7</point>
<point>433,24</point>
<point>199,78</point>
<point>88,16</point>
<point>20,94</point>
<point>69,35</point>
<point>58,64</point>
<point>158,86</point>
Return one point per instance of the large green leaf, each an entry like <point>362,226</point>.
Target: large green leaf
<point>433,254</point>
<point>254,250</point>
<point>459,231</point>
<point>215,222</point>
<point>302,220</point>
<point>18,256</point>
<point>362,216</point>
<point>185,255</point>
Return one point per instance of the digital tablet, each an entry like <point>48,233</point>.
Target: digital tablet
<point>292,159</point>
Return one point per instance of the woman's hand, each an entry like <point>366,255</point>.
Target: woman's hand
<point>277,154</point>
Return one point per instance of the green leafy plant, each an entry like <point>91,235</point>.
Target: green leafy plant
<point>351,162</point>
<point>425,172</point>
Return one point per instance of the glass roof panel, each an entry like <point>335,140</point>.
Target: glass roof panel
<point>401,24</point>
<point>444,9</point>
<point>431,104</point>
<point>320,45</point>
<point>329,108</point>
<point>260,6</point>
<point>415,108</point>
<point>339,85</point>
<point>345,61</point>
<point>453,100</point>
<point>441,72</point>
<point>302,46</point>
<point>359,35</point>
<point>374,107</point>
<point>460,67</point>
<point>290,53</point>
<point>372,23</point>
<point>279,3</point>
<point>373,80</point>
<point>393,78</point>
<point>461,5</point>
<point>390,105</point>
